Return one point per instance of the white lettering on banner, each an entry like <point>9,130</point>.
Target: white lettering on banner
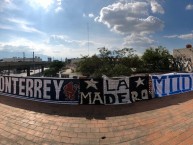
<point>8,84</point>
<point>134,96</point>
<point>37,88</point>
<point>82,96</point>
<point>2,84</point>
<point>169,84</point>
<point>97,97</point>
<point>58,88</point>
<point>46,89</point>
<point>29,87</point>
<point>21,87</point>
<point>15,80</point>
<point>91,92</point>
<point>89,95</point>
<point>144,95</point>
<point>32,87</point>
<point>116,91</point>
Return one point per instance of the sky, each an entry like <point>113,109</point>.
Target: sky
<point>74,28</point>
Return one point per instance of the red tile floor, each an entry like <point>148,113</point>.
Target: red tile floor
<point>167,121</point>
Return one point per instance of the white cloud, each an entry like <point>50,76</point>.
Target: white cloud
<point>189,7</point>
<point>156,7</point>
<point>126,18</point>
<point>137,40</point>
<point>62,37</point>
<point>8,5</point>
<point>59,6</point>
<point>19,45</point>
<point>66,41</point>
<point>182,36</point>
<point>186,36</point>
<point>58,9</point>
<point>117,13</point>
<point>84,15</point>
<point>30,29</point>
<point>133,20</point>
<point>5,27</point>
<point>21,25</point>
<point>59,2</point>
<point>171,36</point>
<point>46,5</point>
<point>91,15</point>
<point>63,40</point>
<point>74,48</point>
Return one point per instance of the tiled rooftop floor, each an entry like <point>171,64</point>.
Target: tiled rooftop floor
<point>167,121</point>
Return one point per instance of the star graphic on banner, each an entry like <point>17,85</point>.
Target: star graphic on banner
<point>139,82</point>
<point>91,83</point>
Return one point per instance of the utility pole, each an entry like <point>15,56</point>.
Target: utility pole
<point>33,62</point>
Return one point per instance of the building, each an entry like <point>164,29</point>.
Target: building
<point>184,58</point>
<point>184,52</point>
<point>49,59</point>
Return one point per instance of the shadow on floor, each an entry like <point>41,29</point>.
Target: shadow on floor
<point>96,111</point>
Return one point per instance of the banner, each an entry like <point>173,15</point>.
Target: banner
<point>96,91</point>
<point>64,90</point>
<point>139,88</point>
<point>150,87</point>
<point>172,83</point>
<point>116,91</point>
<point>91,91</point>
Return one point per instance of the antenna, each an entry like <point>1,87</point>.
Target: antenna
<point>88,36</point>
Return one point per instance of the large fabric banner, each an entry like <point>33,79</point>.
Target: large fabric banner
<point>139,88</point>
<point>96,91</point>
<point>172,83</point>
<point>91,91</point>
<point>50,89</point>
<point>116,91</point>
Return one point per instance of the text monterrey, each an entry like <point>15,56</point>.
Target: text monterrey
<point>51,89</point>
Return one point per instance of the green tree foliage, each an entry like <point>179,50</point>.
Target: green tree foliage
<point>89,65</point>
<point>125,52</point>
<point>110,63</point>
<point>121,62</point>
<point>54,68</point>
<point>124,62</point>
<point>157,59</point>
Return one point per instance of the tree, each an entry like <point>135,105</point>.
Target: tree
<point>157,59</point>
<point>104,52</point>
<point>125,52</point>
<point>110,63</point>
<point>89,65</point>
<point>54,68</point>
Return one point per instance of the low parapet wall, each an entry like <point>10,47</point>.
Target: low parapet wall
<point>104,91</point>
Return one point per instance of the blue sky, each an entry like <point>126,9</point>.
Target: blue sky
<point>62,28</point>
